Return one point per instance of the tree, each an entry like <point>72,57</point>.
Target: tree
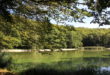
<point>55,39</point>
<point>106,39</point>
<point>8,41</point>
<point>93,39</point>
<point>99,10</point>
<point>59,10</point>
<point>23,33</point>
<point>74,39</point>
<point>39,9</point>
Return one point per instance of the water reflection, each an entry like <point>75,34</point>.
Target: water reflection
<point>67,68</point>
<point>105,68</point>
<point>64,63</point>
<point>80,71</point>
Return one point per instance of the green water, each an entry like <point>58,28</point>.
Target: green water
<point>77,56</point>
<point>63,61</point>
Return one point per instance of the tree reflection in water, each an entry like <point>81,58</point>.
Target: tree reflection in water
<point>66,68</point>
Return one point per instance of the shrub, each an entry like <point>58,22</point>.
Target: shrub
<point>5,60</point>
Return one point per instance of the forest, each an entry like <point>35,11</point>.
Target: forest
<point>29,34</point>
<point>26,24</point>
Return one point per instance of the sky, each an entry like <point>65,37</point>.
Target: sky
<point>85,25</point>
<point>88,25</point>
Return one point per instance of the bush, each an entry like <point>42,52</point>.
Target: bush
<point>5,60</point>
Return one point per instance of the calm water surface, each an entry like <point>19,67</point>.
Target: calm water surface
<point>63,63</point>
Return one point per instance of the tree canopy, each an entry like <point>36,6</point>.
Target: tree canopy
<point>57,9</point>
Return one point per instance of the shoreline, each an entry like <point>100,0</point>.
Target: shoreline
<point>40,50</point>
<point>54,50</point>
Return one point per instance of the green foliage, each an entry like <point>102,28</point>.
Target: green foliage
<point>5,60</point>
<point>92,40</point>
<point>55,8</point>
<point>95,37</point>
<point>57,37</point>
<point>17,68</point>
<point>77,39</point>
<point>62,37</point>
<point>74,39</point>
<point>106,39</point>
<point>8,41</point>
<point>29,34</point>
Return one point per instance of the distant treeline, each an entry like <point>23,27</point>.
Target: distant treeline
<point>95,37</point>
<point>28,34</point>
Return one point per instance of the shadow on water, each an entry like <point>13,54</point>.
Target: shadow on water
<point>67,68</point>
<point>107,55</point>
<point>51,71</point>
<point>97,59</point>
<point>64,64</point>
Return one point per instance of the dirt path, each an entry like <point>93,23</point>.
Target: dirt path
<point>5,72</point>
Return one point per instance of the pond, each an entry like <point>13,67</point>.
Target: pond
<point>62,63</point>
